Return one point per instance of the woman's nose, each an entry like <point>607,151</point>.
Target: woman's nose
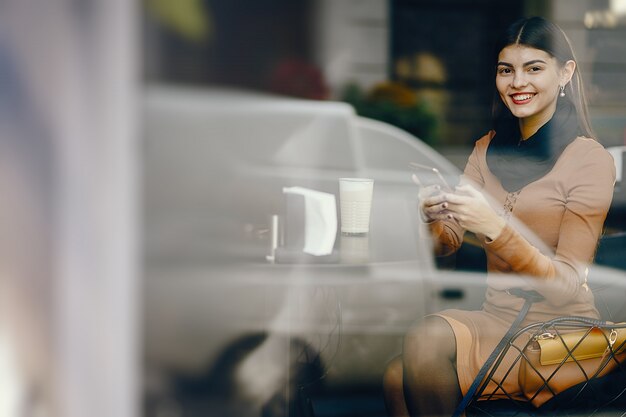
<point>519,79</point>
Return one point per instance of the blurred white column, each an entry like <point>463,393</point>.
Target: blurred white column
<point>79,62</point>
<point>351,42</point>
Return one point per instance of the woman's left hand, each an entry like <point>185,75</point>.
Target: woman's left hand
<point>472,211</point>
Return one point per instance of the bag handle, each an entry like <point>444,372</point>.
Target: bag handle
<point>530,297</point>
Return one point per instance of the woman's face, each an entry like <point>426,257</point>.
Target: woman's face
<point>528,82</point>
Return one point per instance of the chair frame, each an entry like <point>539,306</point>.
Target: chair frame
<point>511,404</point>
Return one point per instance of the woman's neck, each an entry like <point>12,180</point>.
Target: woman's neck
<point>528,126</point>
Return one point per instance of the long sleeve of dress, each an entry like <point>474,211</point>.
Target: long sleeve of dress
<point>448,235</point>
<point>588,197</point>
<point>556,252</point>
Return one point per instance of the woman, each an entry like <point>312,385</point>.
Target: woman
<point>540,167</point>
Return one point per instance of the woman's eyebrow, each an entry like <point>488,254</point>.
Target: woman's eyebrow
<point>534,61</point>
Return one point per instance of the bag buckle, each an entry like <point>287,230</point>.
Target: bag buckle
<point>548,335</point>
<point>612,337</point>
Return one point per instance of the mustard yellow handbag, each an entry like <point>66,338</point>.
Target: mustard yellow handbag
<point>555,360</point>
<point>552,356</point>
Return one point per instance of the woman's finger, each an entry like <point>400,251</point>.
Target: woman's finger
<point>436,208</point>
<point>434,201</point>
<point>467,189</point>
<point>443,215</point>
<point>457,199</point>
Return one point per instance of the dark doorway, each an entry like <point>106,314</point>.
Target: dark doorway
<point>444,49</point>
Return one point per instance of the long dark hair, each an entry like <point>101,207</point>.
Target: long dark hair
<point>539,33</point>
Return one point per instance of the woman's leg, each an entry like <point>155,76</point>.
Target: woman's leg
<point>393,389</point>
<point>430,381</point>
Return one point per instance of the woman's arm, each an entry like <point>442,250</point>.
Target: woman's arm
<point>446,232</point>
<point>589,196</point>
<point>588,201</point>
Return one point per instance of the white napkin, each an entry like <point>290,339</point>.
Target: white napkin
<point>320,220</point>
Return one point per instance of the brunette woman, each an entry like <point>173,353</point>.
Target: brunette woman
<point>535,191</point>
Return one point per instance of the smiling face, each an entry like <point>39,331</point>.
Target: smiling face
<point>528,81</point>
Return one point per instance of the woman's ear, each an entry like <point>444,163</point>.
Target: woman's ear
<point>567,72</point>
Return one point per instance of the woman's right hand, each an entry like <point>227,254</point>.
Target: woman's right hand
<point>432,203</point>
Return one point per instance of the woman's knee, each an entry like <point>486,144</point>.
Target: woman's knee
<point>392,377</point>
<point>430,340</point>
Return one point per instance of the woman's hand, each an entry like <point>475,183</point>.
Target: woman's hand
<point>432,204</point>
<point>472,211</point>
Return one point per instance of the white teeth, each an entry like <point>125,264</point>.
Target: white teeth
<point>522,97</point>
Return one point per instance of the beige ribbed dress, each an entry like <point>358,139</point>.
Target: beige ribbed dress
<point>566,210</point>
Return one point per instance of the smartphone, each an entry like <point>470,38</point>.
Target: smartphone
<point>440,180</point>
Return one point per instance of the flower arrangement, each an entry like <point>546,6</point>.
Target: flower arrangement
<point>298,78</point>
<point>396,104</point>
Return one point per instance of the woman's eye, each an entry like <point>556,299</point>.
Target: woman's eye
<point>504,71</point>
<point>535,69</point>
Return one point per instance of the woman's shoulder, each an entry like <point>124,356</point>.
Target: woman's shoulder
<point>587,154</point>
<point>591,148</point>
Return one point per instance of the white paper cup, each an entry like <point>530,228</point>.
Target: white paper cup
<point>355,204</point>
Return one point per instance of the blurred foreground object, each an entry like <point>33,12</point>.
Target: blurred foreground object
<point>68,271</point>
